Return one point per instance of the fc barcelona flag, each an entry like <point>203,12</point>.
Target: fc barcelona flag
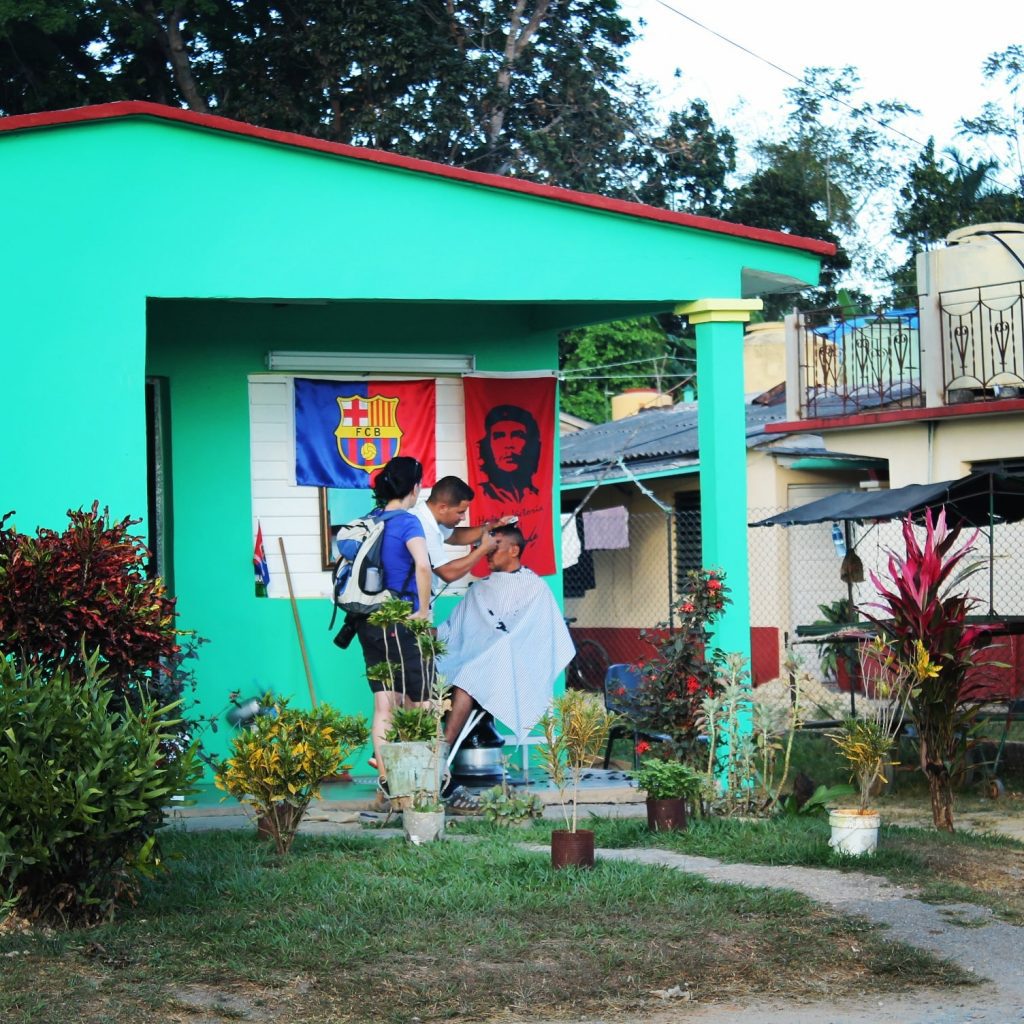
<point>345,432</point>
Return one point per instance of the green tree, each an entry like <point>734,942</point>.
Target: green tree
<point>942,193</point>
<point>605,359</point>
<point>825,177</point>
<point>1001,125</point>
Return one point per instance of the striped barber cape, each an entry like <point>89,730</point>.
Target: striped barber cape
<point>507,642</point>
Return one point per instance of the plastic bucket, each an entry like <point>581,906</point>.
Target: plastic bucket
<point>411,770</point>
<point>423,826</point>
<point>854,832</point>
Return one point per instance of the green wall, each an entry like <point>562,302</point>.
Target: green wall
<point>128,241</point>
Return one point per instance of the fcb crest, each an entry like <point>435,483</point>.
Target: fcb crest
<point>368,434</point>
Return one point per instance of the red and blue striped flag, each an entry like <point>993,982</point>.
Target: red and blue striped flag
<point>346,431</point>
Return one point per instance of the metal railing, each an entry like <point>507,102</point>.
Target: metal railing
<point>982,342</point>
<point>855,363</point>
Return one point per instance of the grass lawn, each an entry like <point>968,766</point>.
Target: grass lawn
<point>960,867</point>
<point>353,928</point>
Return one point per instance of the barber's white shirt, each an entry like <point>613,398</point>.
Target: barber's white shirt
<point>436,535</point>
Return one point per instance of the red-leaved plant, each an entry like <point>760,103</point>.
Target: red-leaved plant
<point>66,595</point>
<point>926,626</point>
<point>684,670</point>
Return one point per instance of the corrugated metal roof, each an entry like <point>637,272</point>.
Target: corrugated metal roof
<point>668,433</point>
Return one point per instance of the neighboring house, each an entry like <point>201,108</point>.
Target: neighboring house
<point>168,274</point>
<point>648,461</point>
<point>934,391</point>
<point>931,393</point>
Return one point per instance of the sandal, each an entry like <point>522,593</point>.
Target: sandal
<point>461,801</point>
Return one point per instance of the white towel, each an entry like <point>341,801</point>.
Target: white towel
<point>507,642</point>
<point>606,529</point>
<point>570,541</point>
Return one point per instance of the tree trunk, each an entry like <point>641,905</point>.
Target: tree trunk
<point>941,791</point>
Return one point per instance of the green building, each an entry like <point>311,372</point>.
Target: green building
<point>166,274</point>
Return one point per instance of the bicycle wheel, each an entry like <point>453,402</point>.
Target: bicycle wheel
<point>587,670</point>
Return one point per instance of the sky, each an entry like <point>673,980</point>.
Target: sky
<point>927,54</point>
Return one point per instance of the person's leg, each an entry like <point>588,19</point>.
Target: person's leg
<point>384,702</point>
<point>462,705</point>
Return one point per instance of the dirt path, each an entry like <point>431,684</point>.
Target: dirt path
<point>962,933</point>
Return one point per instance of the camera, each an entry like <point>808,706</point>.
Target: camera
<point>346,634</point>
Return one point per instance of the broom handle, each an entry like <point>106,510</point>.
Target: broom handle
<point>298,623</point>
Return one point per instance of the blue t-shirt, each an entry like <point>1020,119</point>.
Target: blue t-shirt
<point>399,567</point>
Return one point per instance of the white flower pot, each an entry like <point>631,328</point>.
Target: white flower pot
<point>411,770</point>
<point>423,826</point>
<point>854,832</point>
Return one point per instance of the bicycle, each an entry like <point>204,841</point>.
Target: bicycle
<point>587,669</point>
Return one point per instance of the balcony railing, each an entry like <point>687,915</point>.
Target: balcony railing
<point>853,364</point>
<point>982,342</point>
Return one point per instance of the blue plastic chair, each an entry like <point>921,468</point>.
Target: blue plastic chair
<point>624,678</point>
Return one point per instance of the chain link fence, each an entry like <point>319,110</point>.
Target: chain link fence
<point>613,594</point>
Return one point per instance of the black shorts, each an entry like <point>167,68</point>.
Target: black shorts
<point>401,648</point>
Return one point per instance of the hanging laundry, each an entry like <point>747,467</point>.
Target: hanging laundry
<point>570,541</point>
<point>606,529</point>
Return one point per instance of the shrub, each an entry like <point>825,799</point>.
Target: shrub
<point>925,623</point>
<point>670,780</point>
<point>66,595</point>
<point>82,789</point>
<point>279,763</point>
<point>675,682</point>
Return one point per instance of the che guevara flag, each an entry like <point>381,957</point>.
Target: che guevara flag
<point>346,431</point>
<point>510,445</point>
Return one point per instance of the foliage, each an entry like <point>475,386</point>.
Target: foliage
<point>743,741</point>
<point>670,780</point>
<point>82,788</point>
<point>925,622</point>
<point>575,731</point>
<point>411,725</point>
<point>424,724</point>
<point>609,358</point>
<point>536,90</point>
<point>867,742</point>
<point>838,613</point>
<point>684,670</point>
<point>66,595</point>
<point>817,803</point>
<point>503,806</point>
<point>278,764</point>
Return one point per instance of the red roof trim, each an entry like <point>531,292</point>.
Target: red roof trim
<point>138,108</point>
<point>878,419</point>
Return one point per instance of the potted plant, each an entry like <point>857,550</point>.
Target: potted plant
<point>575,732</point>
<point>414,751</point>
<point>837,656</point>
<point>669,785</point>
<point>867,744</point>
<point>279,762</point>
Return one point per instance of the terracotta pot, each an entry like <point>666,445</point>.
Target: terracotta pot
<point>572,849</point>
<point>666,815</point>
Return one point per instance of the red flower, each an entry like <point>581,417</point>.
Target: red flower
<point>692,684</point>
<point>620,692</point>
<point>714,584</point>
<point>671,695</point>
<point>686,607</point>
<point>642,747</point>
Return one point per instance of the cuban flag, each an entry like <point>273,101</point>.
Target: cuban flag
<point>259,562</point>
<point>347,430</point>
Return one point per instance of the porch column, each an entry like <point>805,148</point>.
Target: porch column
<point>721,428</point>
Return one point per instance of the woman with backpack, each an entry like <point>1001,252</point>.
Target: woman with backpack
<point>407,575</point>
